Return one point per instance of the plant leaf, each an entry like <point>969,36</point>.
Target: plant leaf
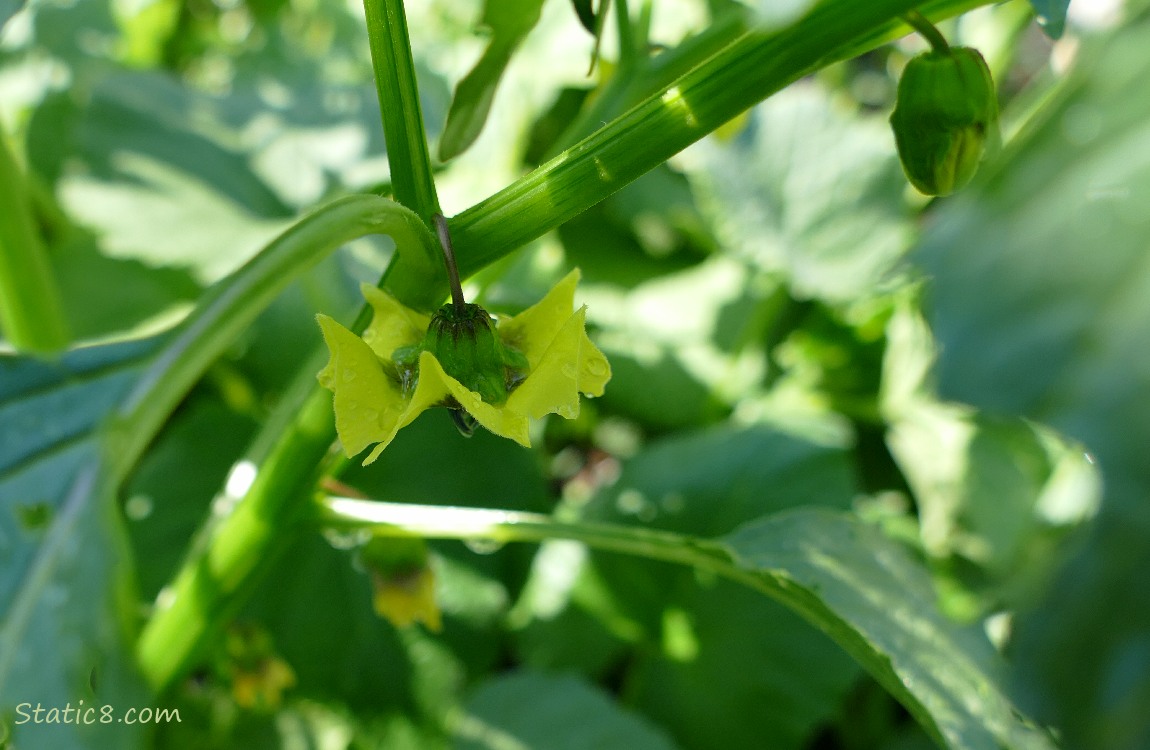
<point>565,712</point>
<point>711,653</point>
<point>1051,16</point>
<point>510,21</point>
<point>65,588</point>
<point>868,595</point>
<point>586,13</point>
<point>775,195</point>
<point>1041,304</point>
<point>842,575</point>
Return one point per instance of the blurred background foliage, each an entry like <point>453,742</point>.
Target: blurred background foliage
<point>767,324</point>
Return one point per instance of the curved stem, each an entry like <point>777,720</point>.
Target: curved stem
<point>928,30</point>
<point>229,307</point>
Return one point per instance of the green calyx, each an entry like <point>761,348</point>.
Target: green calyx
<point>464,340</point>
<point>945,114</point>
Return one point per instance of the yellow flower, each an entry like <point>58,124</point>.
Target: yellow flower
<point>402,582</point>
<point>406,597</point>
<point>258,675</point>
<point>383,381</point>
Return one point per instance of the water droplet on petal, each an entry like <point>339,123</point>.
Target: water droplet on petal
<point>569,370</point>
<point>348,376</point>
<point>595,367</point>
<point>369,335</point>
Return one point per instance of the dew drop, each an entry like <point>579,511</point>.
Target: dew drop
<point>596,367</point>
<point>346,540</point>
<point>569,370</point>
<point>348,376</point>
<point>370,335</point>
<point>483,546</point>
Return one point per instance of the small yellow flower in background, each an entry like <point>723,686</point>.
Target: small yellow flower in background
<point>533,364</point>
<point>407,597</point>
<point>403,586</point>
<point>258,675</point>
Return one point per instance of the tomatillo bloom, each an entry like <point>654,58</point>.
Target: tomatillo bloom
<point>533,364</point>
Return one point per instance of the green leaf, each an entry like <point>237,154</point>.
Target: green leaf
<point>841,575</point>
<point>1041,303</point>
<point>733,670</point>
<point>709,482</point>
<point>868,595</point>
<point>1051,15</point>
<point>713,653</point>
<point>772,14</point>
<point>530,711</point>
<point>995,495</point>
<point>66,596</point>
<point>807,190</point>
<point>509,21</point>
<point>586,13</point>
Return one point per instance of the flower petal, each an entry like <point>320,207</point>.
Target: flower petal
<point>366,401</point>
<point>571,364</point>
<point>533,330</point>
<point>393,325</point>
<point>497,419</point>
<point>428,392</point>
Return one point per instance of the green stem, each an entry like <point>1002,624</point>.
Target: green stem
<point>739,76</point>
<point>215,579</point>
<point>629,52</point>
<point>502,526</point>
<point>176,633</point>
<point>929,31</point>
<point>31,312</point>
<point>407,152</point>
<point>228,308</point>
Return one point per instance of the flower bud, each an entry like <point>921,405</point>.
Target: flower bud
<point>463,339</point>
<point>946,111</point>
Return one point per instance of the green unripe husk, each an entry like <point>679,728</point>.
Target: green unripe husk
<point>945,116</point>
<point>464,340</point>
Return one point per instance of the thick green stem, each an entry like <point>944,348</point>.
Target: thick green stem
<point>407,151</point>
<point>408,155</point>
<point>31,313</point>
<point>739,76</point>
<point>217,576</point>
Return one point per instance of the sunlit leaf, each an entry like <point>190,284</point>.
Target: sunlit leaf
<point>808,189</point>
<point>878,604</point>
